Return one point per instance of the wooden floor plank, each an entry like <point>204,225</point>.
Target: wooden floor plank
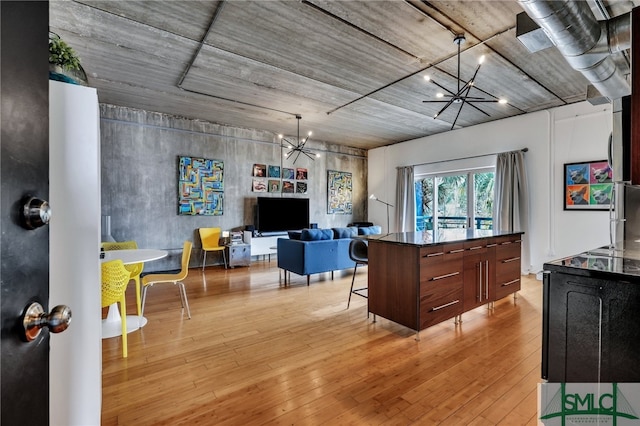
<point>258,352</point>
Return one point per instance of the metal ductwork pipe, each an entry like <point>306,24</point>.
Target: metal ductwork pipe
<point>585,43</point>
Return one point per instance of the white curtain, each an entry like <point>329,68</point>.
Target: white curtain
<point>511,204</point>
<point>405,200</point>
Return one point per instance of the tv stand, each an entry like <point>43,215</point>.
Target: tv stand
<point>264,243</point>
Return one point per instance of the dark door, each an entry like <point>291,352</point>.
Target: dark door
<point>24,170</point>
<point>590,329</point>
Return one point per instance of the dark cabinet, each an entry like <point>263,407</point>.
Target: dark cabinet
<point>591,329</point>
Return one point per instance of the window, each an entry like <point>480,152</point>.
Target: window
<point>455,200</point>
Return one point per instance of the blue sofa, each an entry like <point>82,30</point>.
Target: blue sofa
<point>313,251</point>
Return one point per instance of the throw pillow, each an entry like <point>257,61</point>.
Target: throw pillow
<point>348,232</point>
<point>370,230</point>
<point>316,234</point>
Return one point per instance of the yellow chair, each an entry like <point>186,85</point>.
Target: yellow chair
<point>210,238</point>
<point>151,279</point>
<point>135,269</point>
<point>115,278</point>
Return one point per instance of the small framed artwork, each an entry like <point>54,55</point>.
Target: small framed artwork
<point>274,185</point>
<point>301,174</point>
<point>588,185</point>
<point>288,173</point>
<point>274,172</point>
<point>259,170</point>
<point>301,187</point>
<point>259,185</point>
<point>288,187</point>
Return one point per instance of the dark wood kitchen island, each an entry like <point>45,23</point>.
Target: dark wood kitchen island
<point>419,279</point>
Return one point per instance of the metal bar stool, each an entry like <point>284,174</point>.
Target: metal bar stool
<point>359,253</point>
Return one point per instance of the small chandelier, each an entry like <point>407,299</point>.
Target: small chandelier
<point>298,147</point>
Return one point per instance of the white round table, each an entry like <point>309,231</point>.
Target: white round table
<point>112,325</point>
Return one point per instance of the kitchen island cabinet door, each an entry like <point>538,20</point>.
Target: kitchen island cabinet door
<point>479,273</point>
<point>591,329</point>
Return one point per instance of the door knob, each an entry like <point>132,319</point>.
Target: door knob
<point>35,318</point>
<point>36,213</point>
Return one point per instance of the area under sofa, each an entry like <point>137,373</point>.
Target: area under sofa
<point>314,251</point>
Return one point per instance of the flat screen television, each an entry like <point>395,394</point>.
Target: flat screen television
<point>280,214</point>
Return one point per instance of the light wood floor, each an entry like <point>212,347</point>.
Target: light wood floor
<point>256,352</point>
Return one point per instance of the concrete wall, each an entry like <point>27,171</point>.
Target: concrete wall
<point>140,151</point>
<point>574,133</point>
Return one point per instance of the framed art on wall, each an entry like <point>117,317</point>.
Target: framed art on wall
<point>588,185</point>
<point>339,189</point>
<point>200,186</point>
<point>259,170</point>
<point>288,186</point>
<point>274,185</point>
<point>259,185</point>
<point>274,171</point>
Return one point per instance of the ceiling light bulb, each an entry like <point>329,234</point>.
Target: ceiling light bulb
<point>426,77</point>
<point>280,136</point>
<point>435,116</point>
<point>481,60</point>
<point>502,101</point>
<point>317,155</point>
<point>310,132</point>
<point>439,95</point>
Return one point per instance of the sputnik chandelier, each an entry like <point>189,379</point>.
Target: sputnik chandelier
<point>461,97</point>
<point>298,147</point>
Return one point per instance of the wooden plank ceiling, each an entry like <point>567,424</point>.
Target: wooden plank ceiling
<point>352,69</point>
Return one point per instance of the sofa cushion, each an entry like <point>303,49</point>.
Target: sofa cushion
<point>316,234</point>
<point>295,235</point>
<point>348,232</point>
<point>370,230</point>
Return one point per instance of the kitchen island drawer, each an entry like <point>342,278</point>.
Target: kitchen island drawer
<point>435,310</point>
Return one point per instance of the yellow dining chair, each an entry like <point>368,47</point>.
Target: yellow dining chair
<point>210,238</point>
<point>135,269</point>
<point>151,279</point>
<point>115,278</point>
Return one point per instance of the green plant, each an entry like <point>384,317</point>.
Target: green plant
<point>60,53</point>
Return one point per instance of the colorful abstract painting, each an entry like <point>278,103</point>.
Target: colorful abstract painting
<point>339,190</point>
<point>200,186</point>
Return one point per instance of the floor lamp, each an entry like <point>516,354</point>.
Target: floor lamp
<point>373,197</point>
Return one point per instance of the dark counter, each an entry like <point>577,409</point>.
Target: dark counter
<point>429,238</point>
<point>620,261</point>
